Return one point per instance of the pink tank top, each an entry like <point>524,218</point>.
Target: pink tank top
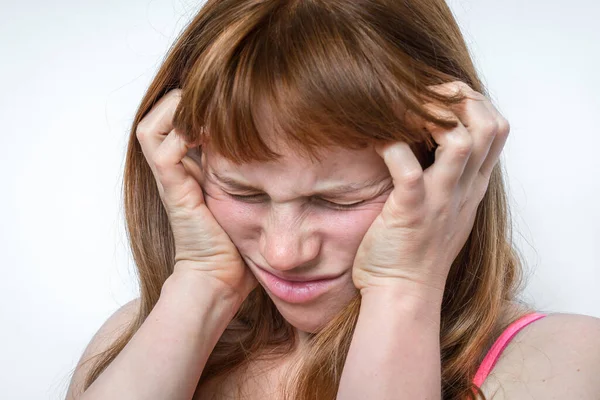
<point>492,356</point>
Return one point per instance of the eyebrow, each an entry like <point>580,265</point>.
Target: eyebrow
<point>346,188</point>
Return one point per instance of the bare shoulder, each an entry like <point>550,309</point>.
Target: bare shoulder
<point>556,357</point>
<point>104,337</point>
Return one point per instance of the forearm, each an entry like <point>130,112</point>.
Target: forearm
<point>166,356</point>
<point>395,350</point>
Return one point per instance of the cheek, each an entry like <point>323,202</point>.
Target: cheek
<point>235,218</point>
<point>344,231</point>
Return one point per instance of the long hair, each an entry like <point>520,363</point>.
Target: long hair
<point>334,73</point>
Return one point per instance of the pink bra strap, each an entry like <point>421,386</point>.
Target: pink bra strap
<point>492,356</point>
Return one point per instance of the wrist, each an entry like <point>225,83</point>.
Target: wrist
<point>198,290</point>
<point>406,297</point>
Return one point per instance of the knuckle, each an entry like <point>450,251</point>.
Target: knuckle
<point>462,86</point>
<point>463,145</point>
<point>141,131</point>
<point>503,126</point>
<point>411,178</point>
<point>448,89</point>
<point>470,93</point>
<point>144,128</point>
<point>455,88</point>
<point>175,93</point>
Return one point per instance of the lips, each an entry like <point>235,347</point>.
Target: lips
<point>299,279</point>
<point>303,279</point>
<point>303,289</point>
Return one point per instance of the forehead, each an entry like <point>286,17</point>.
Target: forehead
<point>295,173</point>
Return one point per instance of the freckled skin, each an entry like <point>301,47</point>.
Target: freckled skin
<point>289,230</point>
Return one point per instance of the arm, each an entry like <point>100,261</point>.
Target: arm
<point>166,356</point>
<point>402,264</point>
<point>395,350</point>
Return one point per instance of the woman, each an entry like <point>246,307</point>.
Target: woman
<point>317,211</point>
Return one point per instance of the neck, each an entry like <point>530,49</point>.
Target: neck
<point>302,339</point>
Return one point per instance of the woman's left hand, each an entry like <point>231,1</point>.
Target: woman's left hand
<point>427,218</point>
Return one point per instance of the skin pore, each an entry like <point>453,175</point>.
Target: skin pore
<point>295,223</point>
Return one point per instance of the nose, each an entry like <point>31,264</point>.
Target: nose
<point>286,241</point>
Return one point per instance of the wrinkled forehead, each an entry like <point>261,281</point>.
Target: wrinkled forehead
<point>334,165</point>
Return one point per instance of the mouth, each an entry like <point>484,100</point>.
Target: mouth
<point>300,279</point>
<point>298,290</point>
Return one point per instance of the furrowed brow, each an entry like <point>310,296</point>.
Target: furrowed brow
<point>353,187</point>
<point>347,188</point>
<point>233,183</point>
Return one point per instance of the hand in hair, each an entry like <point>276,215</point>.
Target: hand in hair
<point>202,248</point>
<point>429,215</point>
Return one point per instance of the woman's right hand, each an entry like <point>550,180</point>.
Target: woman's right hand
<point>202,248</point>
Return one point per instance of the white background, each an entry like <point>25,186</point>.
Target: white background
<point>72,74</point>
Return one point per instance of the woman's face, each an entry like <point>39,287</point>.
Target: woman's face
<point>291,226</point>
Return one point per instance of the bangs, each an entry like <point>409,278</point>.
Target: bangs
<point>308,75</point>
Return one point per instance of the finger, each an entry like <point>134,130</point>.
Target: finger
<point>193,163</point>
<point>496,148</point>
<point>179,186</point>
<point>453,152</point>
<point>488,128</point>
<point>155,125</point>
<point>478,116</point>
<point>406,172</point>
<point>159,121</point>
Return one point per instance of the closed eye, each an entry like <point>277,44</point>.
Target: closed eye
<point>257,198</point>
<point>340,206</point>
